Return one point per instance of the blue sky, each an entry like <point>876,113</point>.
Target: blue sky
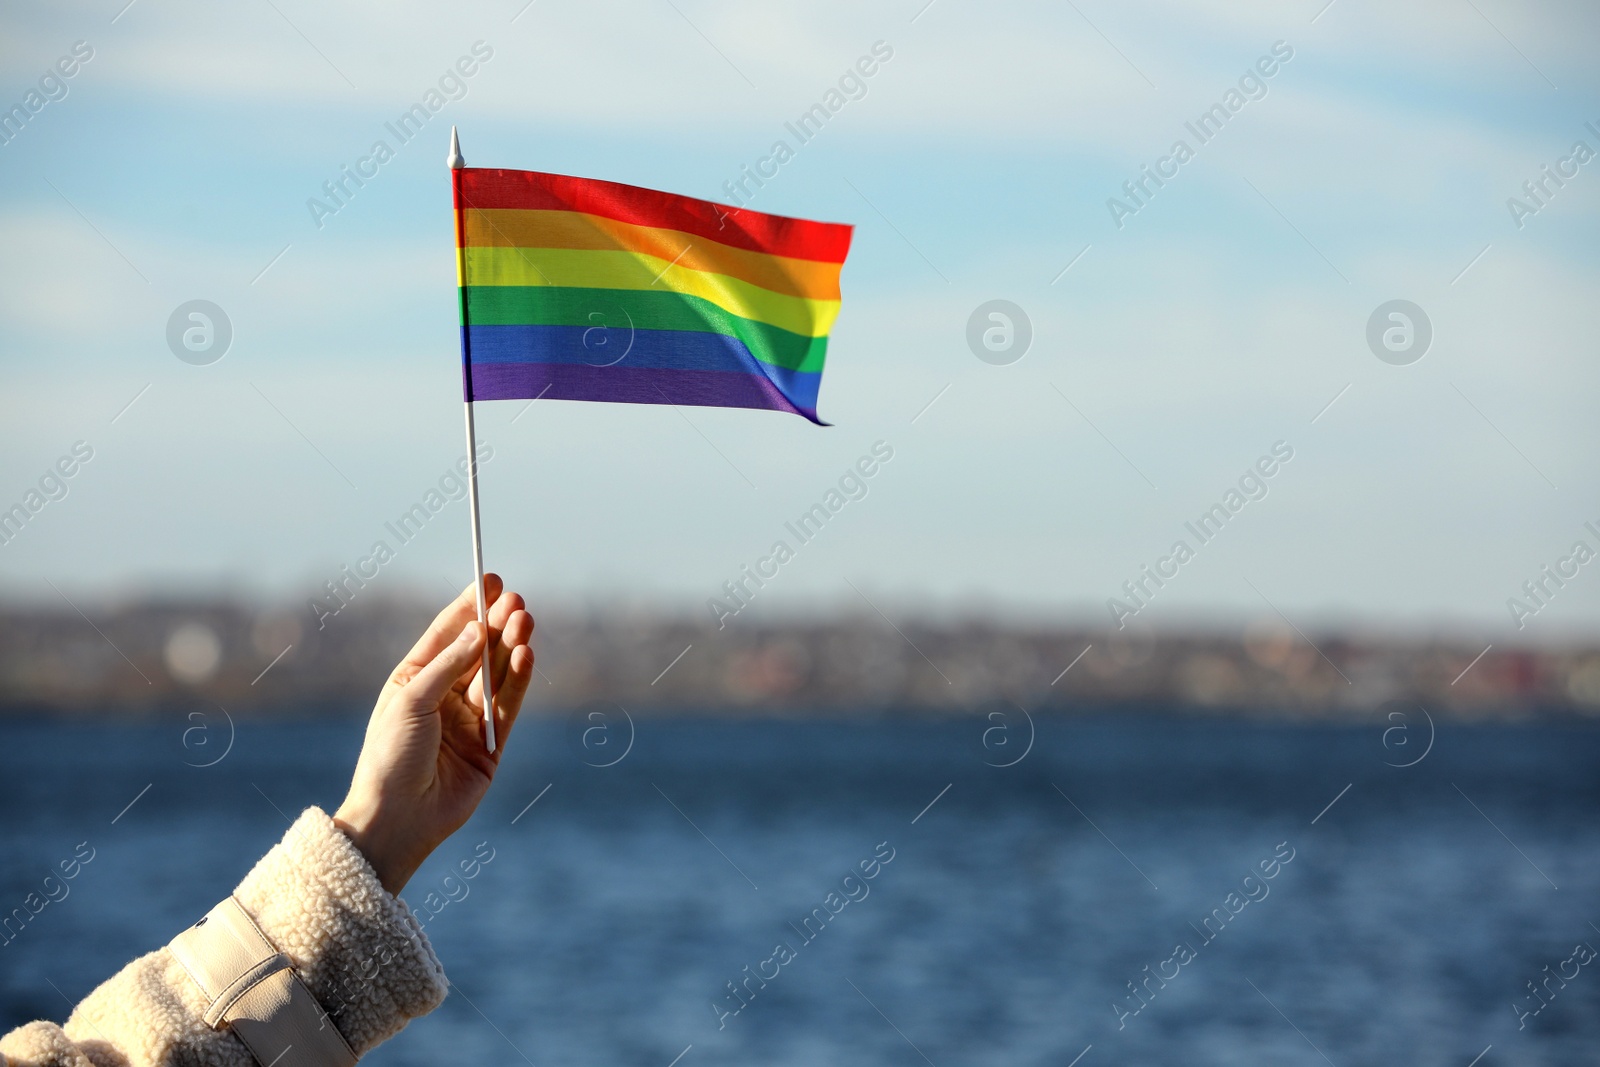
<point>1221,318</point>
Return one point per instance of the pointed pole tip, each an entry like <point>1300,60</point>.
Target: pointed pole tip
<point>454,160</point>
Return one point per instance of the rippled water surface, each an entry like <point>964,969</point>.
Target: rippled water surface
<point>1006,928</point>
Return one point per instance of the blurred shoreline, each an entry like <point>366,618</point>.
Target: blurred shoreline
<point>148,657</point>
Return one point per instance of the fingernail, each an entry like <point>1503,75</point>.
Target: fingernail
<point>468,634</point>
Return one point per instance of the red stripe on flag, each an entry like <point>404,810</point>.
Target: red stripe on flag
<point>752,230</point>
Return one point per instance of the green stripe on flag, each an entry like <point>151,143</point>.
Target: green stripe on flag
<point>620,309</point>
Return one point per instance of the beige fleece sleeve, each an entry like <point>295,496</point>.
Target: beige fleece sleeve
<point>358,949</point>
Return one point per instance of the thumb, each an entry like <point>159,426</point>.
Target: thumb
<point>447,666</point>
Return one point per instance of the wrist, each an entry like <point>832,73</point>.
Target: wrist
<point>387,852</point>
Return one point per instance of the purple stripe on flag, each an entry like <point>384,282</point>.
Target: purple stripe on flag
<point>664,349</point>
<point>629,385</point>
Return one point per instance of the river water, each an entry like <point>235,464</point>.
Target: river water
<point>1008,912</point>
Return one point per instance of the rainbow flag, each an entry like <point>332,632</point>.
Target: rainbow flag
<point>577,289</point>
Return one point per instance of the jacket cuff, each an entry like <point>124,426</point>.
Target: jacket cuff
<point>356,947</point>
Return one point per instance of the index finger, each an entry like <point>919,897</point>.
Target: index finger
<point>447,625</point>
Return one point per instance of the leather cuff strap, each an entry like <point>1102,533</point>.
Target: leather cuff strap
<point>250,987</point>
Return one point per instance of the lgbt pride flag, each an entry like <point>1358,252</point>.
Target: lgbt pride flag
<point>577,289</point>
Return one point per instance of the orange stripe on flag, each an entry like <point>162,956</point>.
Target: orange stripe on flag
<point>512,228</point>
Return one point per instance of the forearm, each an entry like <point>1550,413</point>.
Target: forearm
<point>314,934</point>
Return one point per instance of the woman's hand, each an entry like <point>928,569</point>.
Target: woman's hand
<point>424,766</point>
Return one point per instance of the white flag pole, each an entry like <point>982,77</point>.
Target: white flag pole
<point>456,163</point>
